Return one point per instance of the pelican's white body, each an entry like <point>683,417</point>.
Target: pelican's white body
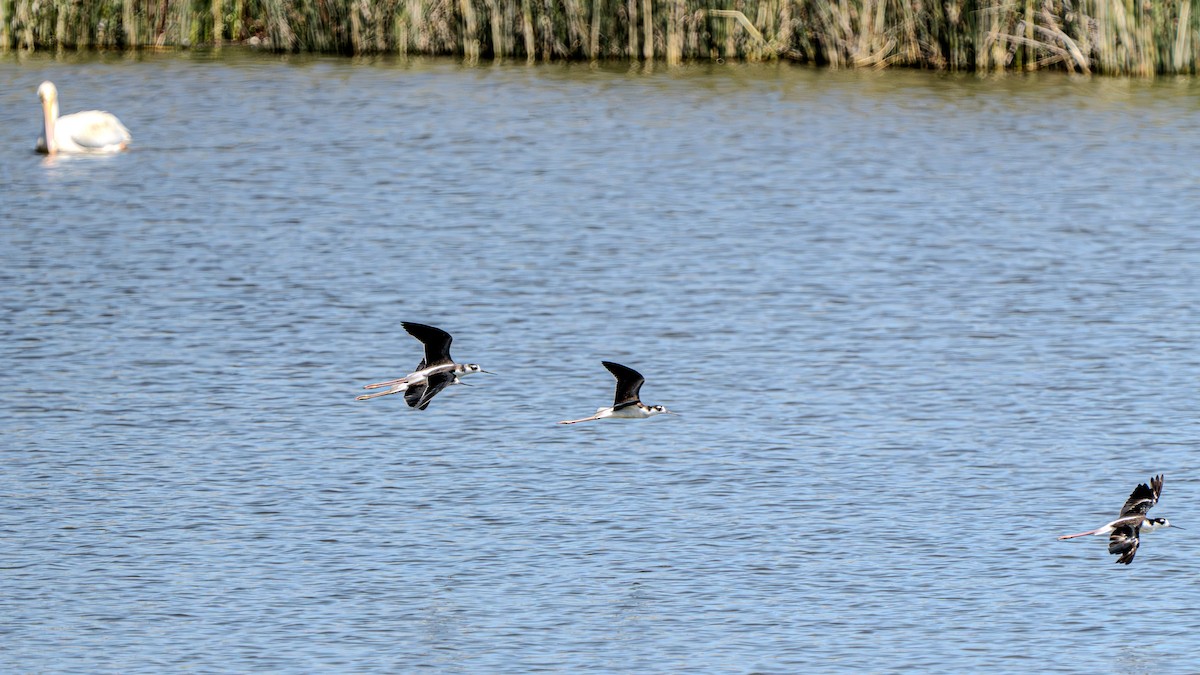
<point>87,132</point>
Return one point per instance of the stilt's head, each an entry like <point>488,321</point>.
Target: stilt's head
<point>474,368</point>
<point>657,410</point>
<point>1153,524</point>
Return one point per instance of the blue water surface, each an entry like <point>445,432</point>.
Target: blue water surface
<point>915,326</point>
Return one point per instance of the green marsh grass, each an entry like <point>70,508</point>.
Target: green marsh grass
<point>1132,37</point>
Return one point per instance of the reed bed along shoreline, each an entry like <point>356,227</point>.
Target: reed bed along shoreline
<point>1126,37</point>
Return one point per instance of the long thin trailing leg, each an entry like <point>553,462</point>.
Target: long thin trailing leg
<point>586,419</point>
<point>400,388</point>
<point>389,383</point>
<point>1081,534</point>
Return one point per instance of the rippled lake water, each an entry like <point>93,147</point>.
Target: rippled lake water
<point>916,326</point>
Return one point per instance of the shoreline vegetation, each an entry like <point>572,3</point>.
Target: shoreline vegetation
<point>1117,37</point>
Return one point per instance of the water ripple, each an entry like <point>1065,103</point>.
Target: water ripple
<point>915,325</point>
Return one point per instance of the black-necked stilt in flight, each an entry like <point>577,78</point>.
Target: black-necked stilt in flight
<point>626,405</point>
<point>1123,532</point>
<point>435,372</point>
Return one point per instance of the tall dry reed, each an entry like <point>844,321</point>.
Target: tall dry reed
<point>1140,37</point>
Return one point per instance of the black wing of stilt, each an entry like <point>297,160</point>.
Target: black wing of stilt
<point>1143,497</point>
<point>629,384</point>
<point>1124,540</point>
<point>436,341</point>
<point>424,394</point>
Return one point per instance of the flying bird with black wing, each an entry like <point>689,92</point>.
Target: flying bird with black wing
<point>1124,533</point>
<point>435,372</point>
<point>626,403</point>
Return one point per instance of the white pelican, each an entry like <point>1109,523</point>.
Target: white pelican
<point>90,131</point>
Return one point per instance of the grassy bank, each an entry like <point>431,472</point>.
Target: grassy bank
<point>1140,37</point>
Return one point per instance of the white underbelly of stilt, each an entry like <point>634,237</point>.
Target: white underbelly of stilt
<point>630,413</point>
